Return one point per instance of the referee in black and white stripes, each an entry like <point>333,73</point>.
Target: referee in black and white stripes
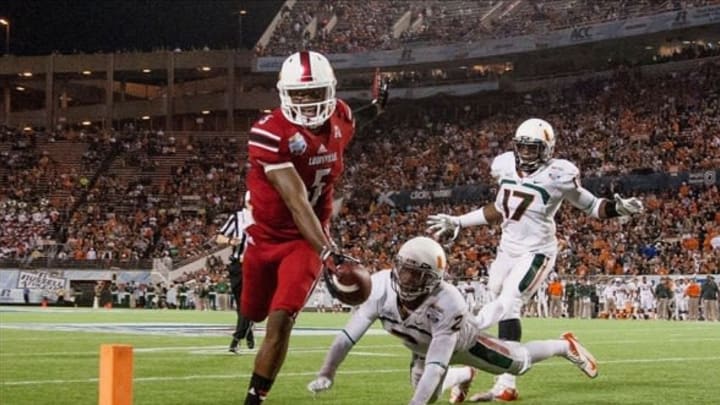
<point>232,233</point>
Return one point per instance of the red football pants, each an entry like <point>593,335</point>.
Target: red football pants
<point>277,276</point>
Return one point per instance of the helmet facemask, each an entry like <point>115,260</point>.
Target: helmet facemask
<point>308,105</point>
<point>412,280</point>
<point>530,153</point>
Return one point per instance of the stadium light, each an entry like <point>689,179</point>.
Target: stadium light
<point>20,88</point>
<point>146,70</point>
<point>6,23</point>
<point>205,112</point>
<point>240,14</point>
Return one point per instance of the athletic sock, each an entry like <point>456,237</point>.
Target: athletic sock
<point>258,389</point>
<point>455,376</point>
<point>510,329</point>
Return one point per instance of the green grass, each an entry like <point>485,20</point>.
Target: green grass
<point>640,362</point>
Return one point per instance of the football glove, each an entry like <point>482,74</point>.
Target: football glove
<point>330,267</point>
<point>331,257</point>
<point>319,384</point>
<point>627,206</point>
<point>441,223</point>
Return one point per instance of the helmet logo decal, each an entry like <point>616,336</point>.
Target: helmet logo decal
<point>306,68</point>
<point>548,137</point>
<point>439,260</point>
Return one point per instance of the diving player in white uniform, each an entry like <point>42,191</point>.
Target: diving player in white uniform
<point>430,316</point>
<point>532,186</point>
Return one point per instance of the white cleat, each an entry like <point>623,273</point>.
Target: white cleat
<point>580,356</point>
<point>499,392</point>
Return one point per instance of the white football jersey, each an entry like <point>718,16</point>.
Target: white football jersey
<point>542,291</point>
<point>646,289</point>
<point>679,292</point>
<point>444,312</point>
<point>528,204</point>
<point>610,291</point>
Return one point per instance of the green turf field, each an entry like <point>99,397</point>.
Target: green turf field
<point>49,357</point>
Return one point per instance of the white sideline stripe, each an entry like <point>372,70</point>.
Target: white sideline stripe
<point>314,373</point>
<point>309,349</point>
<point>190,349</point>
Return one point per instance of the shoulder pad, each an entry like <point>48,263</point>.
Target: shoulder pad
<point>504,163</point>
<point>273,123</point>
<point>344,111</point>
<point>453,296</point>
<point>562,171</point>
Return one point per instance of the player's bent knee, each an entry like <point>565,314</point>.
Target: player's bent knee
<point>525,362</point>
<point>510,306</point>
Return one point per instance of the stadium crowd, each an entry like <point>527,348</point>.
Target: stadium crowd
<point>344,27</point>
<point>113,206</point>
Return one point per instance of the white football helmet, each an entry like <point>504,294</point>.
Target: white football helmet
<point>306,71</point>
<point>534,142</point>
<point>419,267</point>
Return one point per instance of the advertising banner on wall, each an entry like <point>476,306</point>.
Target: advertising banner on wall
<point>41,283</point>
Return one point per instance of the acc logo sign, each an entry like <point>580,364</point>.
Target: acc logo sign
<point>578,34</point>
<point>297,144</point>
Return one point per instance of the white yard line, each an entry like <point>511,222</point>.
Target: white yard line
<point>192,350</point>
<point>351,372</point>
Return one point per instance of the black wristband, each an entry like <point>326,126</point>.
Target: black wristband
<point>610,210</point>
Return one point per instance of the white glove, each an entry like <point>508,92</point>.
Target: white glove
<point>319,384</point>
<point>441,223</point>
<point>627,206</point>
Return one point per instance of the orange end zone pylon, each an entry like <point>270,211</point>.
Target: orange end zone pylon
<point>116,375</point>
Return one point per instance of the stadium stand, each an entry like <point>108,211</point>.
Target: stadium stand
<point>131,196</point>
<point>342,27</point>
<point>120,198</point>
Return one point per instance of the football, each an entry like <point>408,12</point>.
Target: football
<point>350,282</point>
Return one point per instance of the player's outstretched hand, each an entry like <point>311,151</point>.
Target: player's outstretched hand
<point>441,223</point>
<point>628,206</point>
<point>319,384</point>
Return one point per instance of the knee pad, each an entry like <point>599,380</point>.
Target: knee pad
<point>525,360</point>
<point>512,305</point>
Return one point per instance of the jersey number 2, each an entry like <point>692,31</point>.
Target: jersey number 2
<point>318,185</point>
<point>526,198</point>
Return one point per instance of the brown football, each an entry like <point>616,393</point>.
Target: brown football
<point>350,283</point>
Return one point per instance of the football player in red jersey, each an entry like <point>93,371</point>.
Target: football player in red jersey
<point>296,156</point>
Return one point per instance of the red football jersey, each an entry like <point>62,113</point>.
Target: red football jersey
<point>274,142</point>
